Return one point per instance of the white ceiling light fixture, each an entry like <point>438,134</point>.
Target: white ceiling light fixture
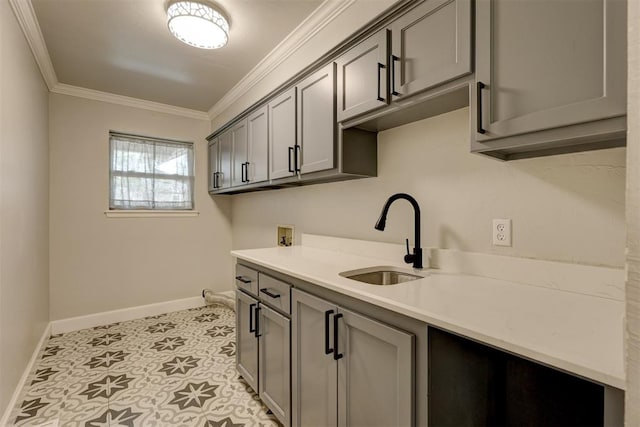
<point>197,24</point>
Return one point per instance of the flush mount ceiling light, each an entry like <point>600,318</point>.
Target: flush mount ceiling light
<point>197,24</point>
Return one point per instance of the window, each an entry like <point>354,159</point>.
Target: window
<point>149,173</point>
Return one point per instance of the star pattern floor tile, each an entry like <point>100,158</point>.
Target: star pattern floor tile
<point>174,369</point>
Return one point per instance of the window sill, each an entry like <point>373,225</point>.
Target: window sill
<point>150,214</point>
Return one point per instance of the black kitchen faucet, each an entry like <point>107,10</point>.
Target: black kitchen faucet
<point>416,257</point>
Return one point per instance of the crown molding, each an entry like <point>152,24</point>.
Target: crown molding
<point>80,92</point>
<point>319,18</point>
<point>26,16</point>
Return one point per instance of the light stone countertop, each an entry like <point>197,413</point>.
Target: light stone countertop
<point>571,331</point>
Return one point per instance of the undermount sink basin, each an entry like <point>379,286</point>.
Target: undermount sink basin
<point>381,275</point>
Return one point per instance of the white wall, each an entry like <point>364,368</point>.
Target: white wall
<point>566,208</point>
<point>100,263</point>
<point>24,204</point>
<point>632,406</point>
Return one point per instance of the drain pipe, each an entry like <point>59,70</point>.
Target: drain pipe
<point>224,298</point>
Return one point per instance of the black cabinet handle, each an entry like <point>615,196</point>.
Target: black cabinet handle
<point>297,157</point>
<point>380,67</point>
<point>242,172</point>
<point>243,280</point>
<point>257,316</point>
<point>336,355</point>
<point>268,293</point>
<point>393,75</point>
<point>246,171</point>
<point>251,327</point>
<point>290,152</point>
<point>215,180</point>
<point>479,87</point>
<point>327,349</point>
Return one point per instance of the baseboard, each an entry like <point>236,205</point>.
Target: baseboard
<point>4,421</point>
<point>107,317</point>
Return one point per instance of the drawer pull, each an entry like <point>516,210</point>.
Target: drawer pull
<point>243,280</point>
<point>268,293</point>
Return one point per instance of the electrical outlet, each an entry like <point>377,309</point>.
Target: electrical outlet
<point>501,232</point>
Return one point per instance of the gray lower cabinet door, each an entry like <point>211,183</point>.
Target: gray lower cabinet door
<point>313,372</point>
<point>258,138</point>
<point>282,135</point>
<point>431,44</point>
<point>547,64</point>
<point>225,141</point>
<point>247,343</point>
<point>275,363</point>
<point>375,373</point>
<point>317,120</point>
<point>212,149</point>
<point>239,152</point>
<point>362,77</point>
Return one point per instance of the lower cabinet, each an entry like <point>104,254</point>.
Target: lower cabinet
<point>274,363</point>
<point>263,353</point>
<point>347,369</point>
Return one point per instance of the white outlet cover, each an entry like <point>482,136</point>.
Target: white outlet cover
<point>501,232</point>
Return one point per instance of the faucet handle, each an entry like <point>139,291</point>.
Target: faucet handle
<point>409,257</point>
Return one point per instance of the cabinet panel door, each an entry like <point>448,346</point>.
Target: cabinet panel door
<point>239,153</point>
<point>275,363</point>
<point>375,374</point>
<point>282,135</point>
<point>258,136</point>
<point>547,64</point>
<point>314,373</point>
<point>225,141</point>
<point>317,120</point>
<point>431,44</point>
<point>247,343</point>
<point>213,163</point>
<point>362,77</point>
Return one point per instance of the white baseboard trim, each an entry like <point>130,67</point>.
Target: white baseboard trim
<point>107,317</point>
<point>4,421</point>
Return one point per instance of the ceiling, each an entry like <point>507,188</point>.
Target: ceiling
<point>124,47</point>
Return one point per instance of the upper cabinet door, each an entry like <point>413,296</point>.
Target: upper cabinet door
<point>317,120</point>
<point>258,135</point>
<point>431,44</point>
<point>282,135</point>
<point>362,77</point>
<point>239,153</point>
<point>547,64</point>
<point>212,149</point>
<point>225,141</point>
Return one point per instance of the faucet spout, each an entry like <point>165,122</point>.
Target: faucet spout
<point>416,257</point>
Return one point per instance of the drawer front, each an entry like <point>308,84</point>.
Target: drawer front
<point>247,279</point>
<point>275,293</point>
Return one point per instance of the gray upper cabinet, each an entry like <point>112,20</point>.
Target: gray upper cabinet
<point>214,164</point>
<point>282,135</point>
<point>275,363</point>
<point>317,120</point>
<point>544,65</point>
<point>240,152</point>
<point>225,141</point>
<point>258,138</point>
<point>362,77</point>
<point>347,369</point>
<point>431,44</point>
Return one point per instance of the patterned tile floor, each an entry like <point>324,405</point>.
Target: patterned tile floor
<point>176,369</point>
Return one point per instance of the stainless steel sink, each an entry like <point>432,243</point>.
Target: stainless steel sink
<point>381,275</point>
